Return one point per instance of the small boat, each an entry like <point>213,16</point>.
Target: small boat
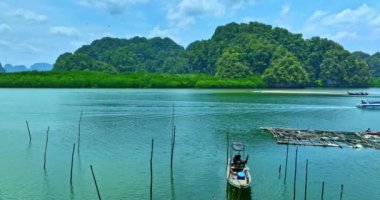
<point>373,133</point>
<point>238,174</point>
<point>369,132</point>
<point>357,93</point>
<point>368,104</point>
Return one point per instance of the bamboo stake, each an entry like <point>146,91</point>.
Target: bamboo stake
<point>228,145</point>
<point>341,192</point>
<point>323,190</point>
<point>46,144</point>
<point>286,162</point>
<point>80,121</point>
<point>172,150</point>
<point>151,171</point>
<point>96,184</point>
<point>30,136</point>
<point>295,174</point>
<point>279,171</point>
<point>72,164</point>
<point>306,176</point>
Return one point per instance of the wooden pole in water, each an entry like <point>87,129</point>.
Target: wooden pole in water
<point>306,174</point>
<point>172,150</point>
<point>228,145</point>
<point>151,171</point>
<point>46,144</point>
<point>279,171</point>
<point>286,162</point>
<point>72,164</point>
<point>295,175</point>
<point>80,121</point>
<point>341,192</point>
<point>30,136</point>
<point>96,184</point>
<point>323,190</point>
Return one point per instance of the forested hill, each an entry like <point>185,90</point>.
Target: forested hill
<point>1,69</point>
<point>113,55</point>
<point>235,50</point>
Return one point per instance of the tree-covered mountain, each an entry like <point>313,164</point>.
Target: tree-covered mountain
<point>2,70</point>
<point>17,68</point>
<point>156,55</point>
<point>41,67</point>
<point>282,58</point>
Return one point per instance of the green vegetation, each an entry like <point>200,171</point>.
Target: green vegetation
<point>138,54</point>
<point>234,51</point>
<point>89,79</point>
<point>375,82</point>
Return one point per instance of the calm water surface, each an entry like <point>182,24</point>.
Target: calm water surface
<point>118,125</point>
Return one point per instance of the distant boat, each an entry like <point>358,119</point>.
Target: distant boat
<point>357,93</point>
<point>238,174</point>
<point>368,104</point>
<point>369,132</point>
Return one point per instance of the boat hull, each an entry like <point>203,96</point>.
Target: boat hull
<point>235,182</point>
<point>367,105</point>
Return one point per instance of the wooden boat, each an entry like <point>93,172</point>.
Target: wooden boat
<point>357,93</point>
<point>369,132</point>
<point>238,174</point>
<point>368,104</point>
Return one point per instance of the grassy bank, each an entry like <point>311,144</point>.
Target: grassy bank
<point>375,82</point>
<point>87,79</point>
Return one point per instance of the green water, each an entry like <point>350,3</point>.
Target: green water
<point>118,125</point>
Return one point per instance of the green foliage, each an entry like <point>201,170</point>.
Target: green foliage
<point>234,51</point>
<point>375,82</point>
<point>231,65</point>
<point>70,62</point>
<point>93,79</point>
<point>374,64</point>
<point>339,68</point>
<point>285,71</point>
<point>138,54</point>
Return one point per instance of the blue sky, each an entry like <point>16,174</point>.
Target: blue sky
<point>41,30</point>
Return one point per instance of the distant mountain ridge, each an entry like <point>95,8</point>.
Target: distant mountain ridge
<point>8,68</point>
<point>282,58</point>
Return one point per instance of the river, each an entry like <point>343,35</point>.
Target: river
<point>118,125</point>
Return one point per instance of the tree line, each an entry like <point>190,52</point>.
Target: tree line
<point>235,51</point>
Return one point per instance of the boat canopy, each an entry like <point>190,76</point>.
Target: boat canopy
<point>238,146</point>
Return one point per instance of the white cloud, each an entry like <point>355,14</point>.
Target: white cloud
<point>349,16</point>
<point>316,15</point>
<point>186,11</point>
<point>158,32</point>
<point>344,35</point>
<point>19,47</point>
<point>4,28</point>
<point>27,15</point>
<point>170,32</point>
<point>375,21</point>
<point>64,30</point>
<point>236,4</point>
<point>113,6</point>
<point>348,24</point>
<point>285,9</point>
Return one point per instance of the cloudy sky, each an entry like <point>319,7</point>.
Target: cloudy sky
<point>40,30</point>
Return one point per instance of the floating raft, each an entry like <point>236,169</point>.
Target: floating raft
<point>324,138</point>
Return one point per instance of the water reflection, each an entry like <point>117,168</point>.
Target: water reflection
<point>238,194</point>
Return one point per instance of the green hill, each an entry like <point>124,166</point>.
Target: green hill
<point>282,58</point>
<point>138,54</point>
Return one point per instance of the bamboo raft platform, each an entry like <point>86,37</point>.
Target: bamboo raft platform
<point>324,138</point>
